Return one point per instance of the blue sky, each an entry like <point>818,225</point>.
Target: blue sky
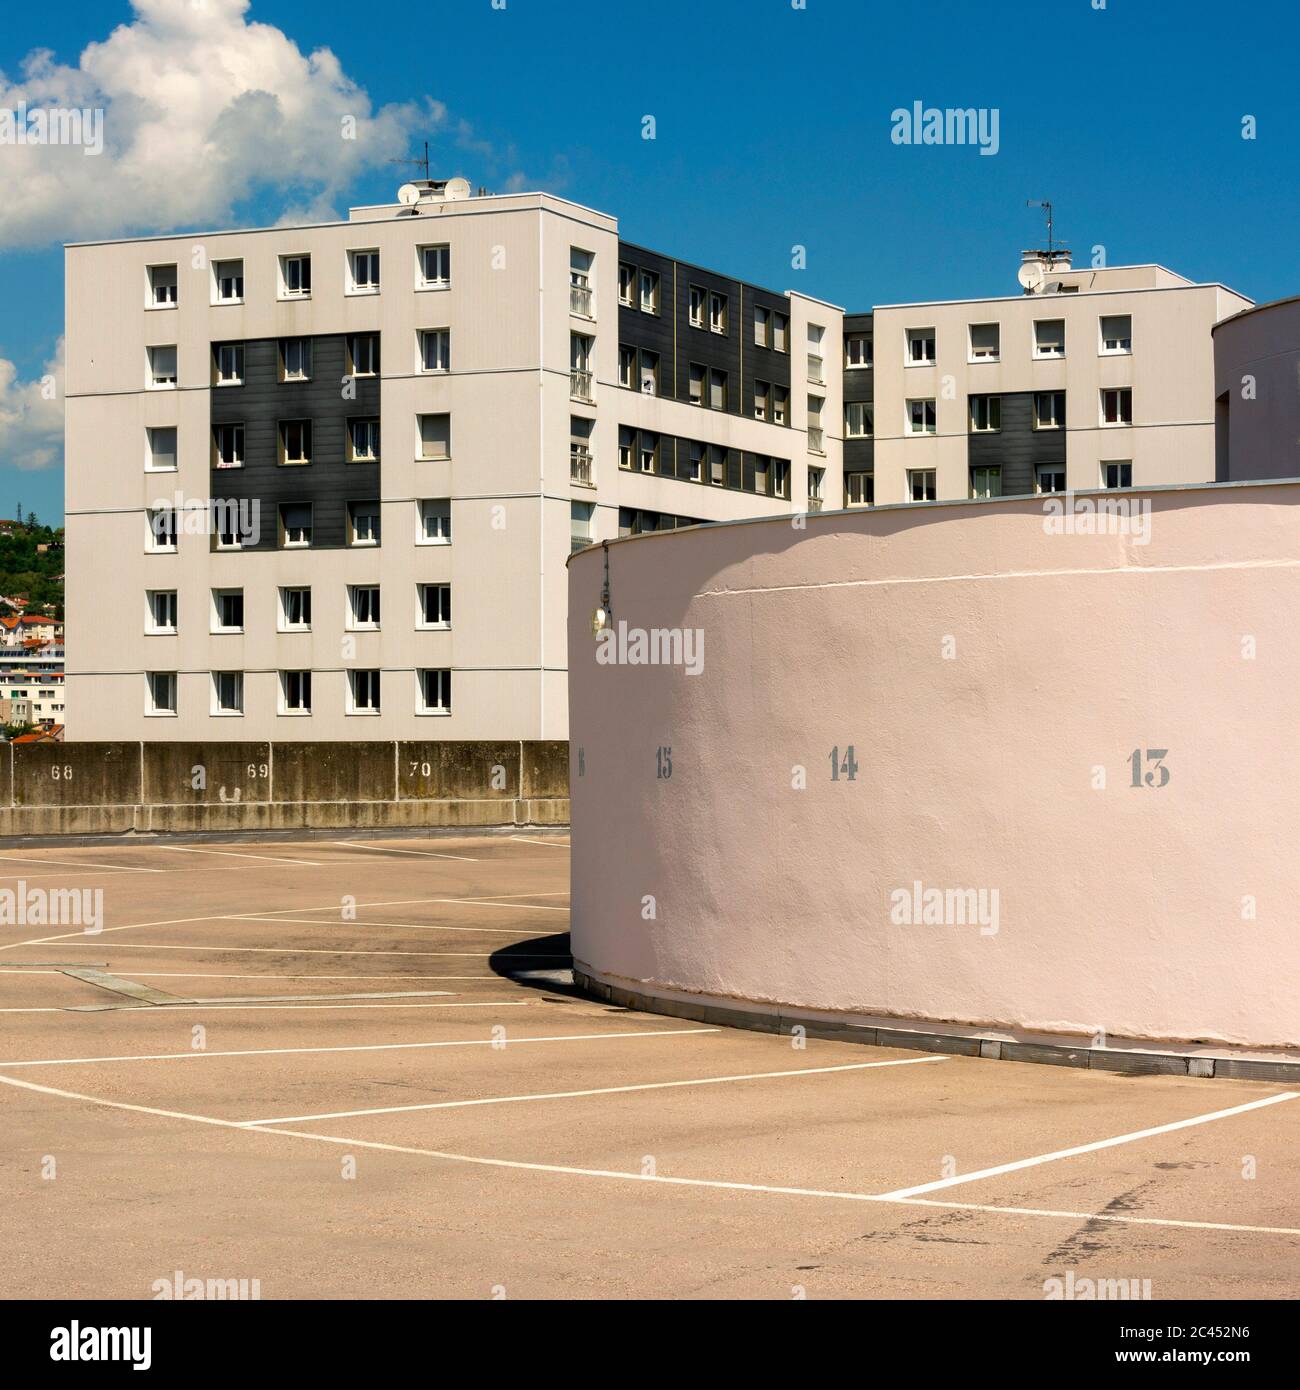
<point>773,128</point>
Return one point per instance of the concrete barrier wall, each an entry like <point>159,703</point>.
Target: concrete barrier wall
<point>110,788</point>
<point>982,678</point>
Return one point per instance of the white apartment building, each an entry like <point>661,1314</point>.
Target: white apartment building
<point>322,481</point>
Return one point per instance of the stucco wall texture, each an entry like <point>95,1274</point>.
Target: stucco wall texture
<point>993,678</point>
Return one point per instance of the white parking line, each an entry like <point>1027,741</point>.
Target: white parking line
<point>618,1175</point>
<point>550,844</point>
<point>358,1047</point>
<point>597,1091</point>
<point>233,854</point>
<point>412,926</point>
<point>1020,1163</point>
<point>388,849</point>
<point>78,864</point>
<point>301,950</point>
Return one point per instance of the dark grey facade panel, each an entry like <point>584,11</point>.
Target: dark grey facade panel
<point>1018,448</point>
<point>329,482</point>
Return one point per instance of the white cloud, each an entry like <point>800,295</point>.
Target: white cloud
<point>202,109</point>
<point>31,416</point>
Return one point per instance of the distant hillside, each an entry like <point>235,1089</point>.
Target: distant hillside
<point>24,570</point>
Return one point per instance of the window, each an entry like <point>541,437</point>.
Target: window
<point>649,292</point>
<point>780,332</point>
<point>717,313</point>
<point>162,692</point>
<point>920,485</point>
<point>228,446</point>
<point>363,605</point>
<point>1116,334</point>
<point>363,441</point>
<point>228,361</point>
<point>780,405</point>
<point>986,481</point>
<point>761,472</point>
<point>435,692</point>
<point>580,378</point>
<point>1117,406</point>
<point>816,435</point>
<point>161,457</point>
<point>920,417</point>
<point>1050,477</point>
<point>696,307</point>
<point>696,386</point>
<point>435,605</point>
<point>859,489</point>
<point>581,300</point>
<point>162,367</point>
<point>295,277</point>
<point>435,521</point>
<point>582,525</point>
<point>227,692</point>
<point>435,267</point>
<point>295,441</point>
<point>1049,410</point>
<point>162,286</point>
<point>364,271</point>
<point>1049,337</point>
<point>363,692</point>
<point>984,342</point>
<point>626,283</point>
<point>580,450</point>
<point>858,420</point>
<point>857,350</point>
<point>648,452</point>
<point>762,326</point>
<point>695,460</point>
<point>160,533</point>
<point>649,377</point>
<point>435,436</point>
<point>295,609</point>
<point>295,692</point>
<point>228,278</point>
<point>1118,473</point>
<point>717,390</point>
<point>295,359</point>
<point>816,476</point>
<point>227,610</point>
<point>295,525</point>
<point>762,400</point>
<point>226,525</point>
<point>920,347</point>
<point>717,466</point>
<point>626,366</point>
<point>626,445</point>
<point>363,523</point>
<point>816,362</point>
<point>161,611</point>
<point>435,350</point>
<point>363,354</point>
<point>985,414</point>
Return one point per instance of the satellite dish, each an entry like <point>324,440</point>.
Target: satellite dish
<point>457,188</point>
<point>409,194</point>
<point>1031,275</point>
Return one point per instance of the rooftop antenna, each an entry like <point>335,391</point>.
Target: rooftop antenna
<point>419,163</point>
<point>1037,203</point>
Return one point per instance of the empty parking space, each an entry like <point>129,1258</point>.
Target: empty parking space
<point>332,1065</point>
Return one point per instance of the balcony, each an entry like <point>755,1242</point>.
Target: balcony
<point>816,368</point>
<point>814,504</point>
<point>581,301</point>
<point>580,470</point>
<point>816,440</point>
<point>580,386</point>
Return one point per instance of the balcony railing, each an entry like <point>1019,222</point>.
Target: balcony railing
<point>816,368</point>
<point>816,440</point>
<point>814,504</point>
<point>580,301</point>
<point>580,386</point>
<point>580,465</point>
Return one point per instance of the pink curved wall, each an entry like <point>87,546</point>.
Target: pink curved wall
<point>983,670</point>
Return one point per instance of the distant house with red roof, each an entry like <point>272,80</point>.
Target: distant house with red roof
<point>19,628</point>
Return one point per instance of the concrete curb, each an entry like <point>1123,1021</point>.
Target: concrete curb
<point>991,1049</point>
